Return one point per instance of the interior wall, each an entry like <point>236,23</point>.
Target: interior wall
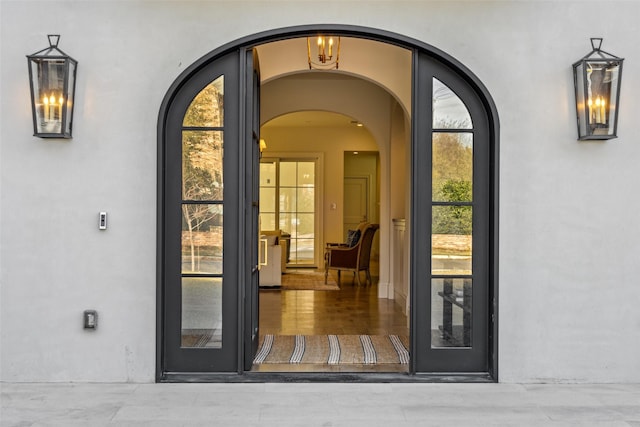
<point>568,240</point>
<point>400,136</point>
<point>400,206</point>
<point>331,142</point>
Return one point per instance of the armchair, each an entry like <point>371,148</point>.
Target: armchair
<point>342,257</point>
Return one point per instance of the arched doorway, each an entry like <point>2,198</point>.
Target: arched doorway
<point>206,316</point>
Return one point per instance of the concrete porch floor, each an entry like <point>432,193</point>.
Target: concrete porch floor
<point>319,404</point>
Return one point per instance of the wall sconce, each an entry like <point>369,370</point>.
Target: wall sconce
<point>597,79</point>
<point>326,47</point>
<point>52,77</point>
<point>263,146</point>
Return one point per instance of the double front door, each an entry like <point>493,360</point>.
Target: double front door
<point>209,207</point>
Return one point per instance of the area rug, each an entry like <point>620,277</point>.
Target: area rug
<point>311,280</point>
<point>333,349</point>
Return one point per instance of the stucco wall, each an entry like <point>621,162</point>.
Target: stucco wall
<point>569,242</point>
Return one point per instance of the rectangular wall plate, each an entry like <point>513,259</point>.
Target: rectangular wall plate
<point>90,319</point>
<point>102,224</point>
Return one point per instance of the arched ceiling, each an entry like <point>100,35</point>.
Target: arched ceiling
<point>313,119</point>
<point>317,94</point>
<point>383,64</point>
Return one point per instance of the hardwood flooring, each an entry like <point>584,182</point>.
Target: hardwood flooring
<point>353,310</point>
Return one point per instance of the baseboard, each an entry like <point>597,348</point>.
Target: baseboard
<point>401,301</point>
<point>383,290</point>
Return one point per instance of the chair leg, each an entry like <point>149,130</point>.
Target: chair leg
<point>326,275</point>
<point>369,276</point>
<point>357,273</point>
<point>338,277</point>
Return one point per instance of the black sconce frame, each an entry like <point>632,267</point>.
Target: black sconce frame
<point>52,79</point>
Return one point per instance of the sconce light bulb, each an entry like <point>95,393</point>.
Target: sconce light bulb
<point>61,100</point>
<point>45,100</point>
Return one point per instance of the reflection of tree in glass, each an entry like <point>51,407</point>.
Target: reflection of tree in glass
<point>207,108</point>
<point>202,152</point>
<point>452,174</point>
<point>203,227</point>
<point>452,160</point>
<point>202,165</point>
<point>454,219</point>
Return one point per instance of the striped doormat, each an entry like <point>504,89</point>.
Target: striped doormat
<point>333,349</point>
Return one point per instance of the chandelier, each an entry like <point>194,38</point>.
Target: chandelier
<point>326,47</point>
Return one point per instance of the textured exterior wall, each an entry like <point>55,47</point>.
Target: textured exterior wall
<point>569,239</point>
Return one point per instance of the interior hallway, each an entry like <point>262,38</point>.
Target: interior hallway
<point>319,404</point>
<point>353,310</point>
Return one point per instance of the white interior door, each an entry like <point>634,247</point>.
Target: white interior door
<point>356,202</point>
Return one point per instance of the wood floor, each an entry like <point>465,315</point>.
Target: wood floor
<point>353,310</point>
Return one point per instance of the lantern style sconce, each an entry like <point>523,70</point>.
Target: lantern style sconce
<point>52,77</point>
<point>328,53</point>
<point>597,79</point>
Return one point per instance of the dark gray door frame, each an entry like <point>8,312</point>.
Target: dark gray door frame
<point>425,358</point>
<point>247,43</point>
<point>175,357</point>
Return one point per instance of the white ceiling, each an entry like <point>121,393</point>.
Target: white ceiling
<point>384,64</point>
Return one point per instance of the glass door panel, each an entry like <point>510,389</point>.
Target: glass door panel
<point>202,232</point>
<point>292,184</point>
<point>452,167</point>
<point>268,195</point>
<point>267,174</point>
<point>453,314</point>
<point>453,211</point>
<point>288,173</point>
<point>200,184</point>
<point>449,112</point>
<point>306,174</point>
<point>451,220</point>
<point>202,214</point>
<point>268,200</point>
<point>297,204</point>
<point>201,312</point>
<point>451,240</point>
<point>288,199</point>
